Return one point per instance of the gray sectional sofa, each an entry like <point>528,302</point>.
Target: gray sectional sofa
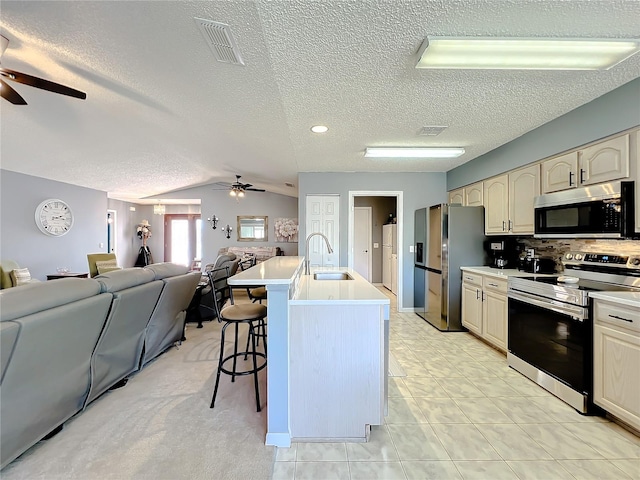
<point>65,342</point>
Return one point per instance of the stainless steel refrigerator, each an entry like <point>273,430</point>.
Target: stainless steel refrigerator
<point>447,237</point>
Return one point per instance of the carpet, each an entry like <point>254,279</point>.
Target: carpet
<point>160,426</point>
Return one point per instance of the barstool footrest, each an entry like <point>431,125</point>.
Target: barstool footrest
<point>243,372</point>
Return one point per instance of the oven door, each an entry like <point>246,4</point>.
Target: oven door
<point>552,336</point>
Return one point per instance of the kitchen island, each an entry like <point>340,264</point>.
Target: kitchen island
<point>328,352</point>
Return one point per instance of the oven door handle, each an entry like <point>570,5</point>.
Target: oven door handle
<point>576,313</point>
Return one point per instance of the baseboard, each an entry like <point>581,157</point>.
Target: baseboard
<point>278,439</point>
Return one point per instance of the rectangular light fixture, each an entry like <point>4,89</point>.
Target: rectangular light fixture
<point>524,53</point>
<point>413,152</point>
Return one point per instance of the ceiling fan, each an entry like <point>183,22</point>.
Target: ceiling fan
<point>9,94</point>
<point>237,188</point>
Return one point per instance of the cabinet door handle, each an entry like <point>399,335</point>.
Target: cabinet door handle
<point>493,285</point>
<point>510,225</point>
<point>483,296</point>
<point>581,175</point>
<point>468,278</point>
<point>477,294</point>
<point>621,318</point>
<point>504,224</point>
<point>571,174</point>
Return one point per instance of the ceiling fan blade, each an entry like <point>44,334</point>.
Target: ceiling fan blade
<point>42,83</point>
<point>10,94</point>
<point>256,189</point>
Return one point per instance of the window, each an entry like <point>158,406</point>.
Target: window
<point>182,238</point>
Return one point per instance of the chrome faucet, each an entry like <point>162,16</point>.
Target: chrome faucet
<point>306,252</point>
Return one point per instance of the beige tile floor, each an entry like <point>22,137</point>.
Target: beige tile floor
<point>461,413</point>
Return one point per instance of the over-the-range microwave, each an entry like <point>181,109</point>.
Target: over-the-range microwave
<point>598,211</point>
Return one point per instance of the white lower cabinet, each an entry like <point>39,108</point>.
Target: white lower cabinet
<point>616,360</point>
<point>485,307</point>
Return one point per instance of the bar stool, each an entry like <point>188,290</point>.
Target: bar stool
<point>236,315</point>
<point>259,294</point>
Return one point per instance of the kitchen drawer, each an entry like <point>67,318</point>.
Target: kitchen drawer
<point>495,284</point>
<point>617,315</point>
<point>472,278</point>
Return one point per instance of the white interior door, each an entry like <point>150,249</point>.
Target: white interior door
<point>323,215</point>
<point>362,255</point>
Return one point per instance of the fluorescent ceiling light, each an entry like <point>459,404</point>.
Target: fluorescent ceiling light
<point>524,53</point>
<point>414,152</point>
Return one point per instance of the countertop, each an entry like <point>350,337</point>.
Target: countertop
<point>325,292</point>
<point>274,271</point>
<point>499,272</point>
<point>631,299</point>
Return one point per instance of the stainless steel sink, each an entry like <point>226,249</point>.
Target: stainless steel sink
<point>332,276</point>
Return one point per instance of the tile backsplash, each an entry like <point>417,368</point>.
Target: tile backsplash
<point>557,248</point>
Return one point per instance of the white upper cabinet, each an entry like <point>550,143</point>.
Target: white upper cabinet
<point>559,173</point>
<point>524,186</point>
<point>456,196</point>
<point>599,163</point>
<point>636,176</point>
<point>474,195</point>
<point>496,210</point>
<point>604,161</point>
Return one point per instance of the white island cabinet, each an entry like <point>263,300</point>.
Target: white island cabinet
<point>328,353</point>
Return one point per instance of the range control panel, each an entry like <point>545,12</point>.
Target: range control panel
<point>584,258</point>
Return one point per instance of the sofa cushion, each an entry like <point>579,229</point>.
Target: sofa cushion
<point>106,266</point>
<point>6,266</point>
<point>40,296</point>
<point>20,276</point>
<point>117,280</point>
<point>167,269</point>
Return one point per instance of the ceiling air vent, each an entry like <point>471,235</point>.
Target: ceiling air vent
<point>220,39</point>
<point>431,131</point>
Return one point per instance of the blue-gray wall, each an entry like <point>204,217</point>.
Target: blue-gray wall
<point>419,190</point>
<point>219,203</point>
<point>23,242</point>
<point>611,113</point>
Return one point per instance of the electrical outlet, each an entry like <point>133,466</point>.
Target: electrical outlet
<point>376,245</point>
<point>101,245</point>
<point>410,248</point>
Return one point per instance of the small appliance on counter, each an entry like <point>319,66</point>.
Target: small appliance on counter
<point>531,263</point>
<point>503,253</point>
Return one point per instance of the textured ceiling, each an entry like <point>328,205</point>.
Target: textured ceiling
<point>162,114</point>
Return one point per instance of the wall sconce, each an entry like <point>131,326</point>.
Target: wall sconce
<point>158,209</point>
<point>227,230</point>
<point>213,221</point>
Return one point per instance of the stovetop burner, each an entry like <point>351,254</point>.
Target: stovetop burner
<point>586,272</point>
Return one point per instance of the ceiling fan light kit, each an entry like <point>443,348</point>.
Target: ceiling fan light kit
<point>502,53</point>
<point>413,152</point>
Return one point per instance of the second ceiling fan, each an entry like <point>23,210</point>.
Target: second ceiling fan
<point>238,188</point>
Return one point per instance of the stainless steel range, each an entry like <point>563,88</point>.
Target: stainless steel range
<point>551,327</point>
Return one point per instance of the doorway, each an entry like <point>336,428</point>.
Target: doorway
<point>362,234</point>
<point>111,231</point>
<point>378,199</point>
<point>182,238</point>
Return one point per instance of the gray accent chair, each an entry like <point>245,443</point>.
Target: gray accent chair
<point>47,375</point>
<point>117,355</point>
<point>167,320</point>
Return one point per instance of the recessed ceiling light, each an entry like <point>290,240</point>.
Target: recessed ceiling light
<point>319,129</point>
<point>413,152</point>
<point>524,53</point>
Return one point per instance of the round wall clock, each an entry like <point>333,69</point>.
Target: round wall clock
<point>54,217</point>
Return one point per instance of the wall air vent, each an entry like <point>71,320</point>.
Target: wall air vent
<point>220,39</point>
<point>289,184</point>
<point>431,131</point>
